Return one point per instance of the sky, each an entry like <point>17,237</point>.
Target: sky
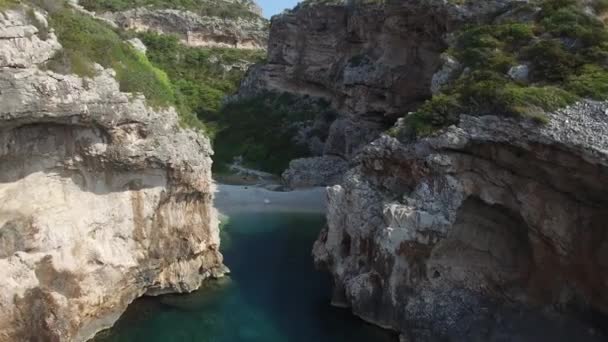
<point>272,7</point>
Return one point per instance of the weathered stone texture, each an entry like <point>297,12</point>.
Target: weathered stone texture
<point>477,231</point>
<point>102,199</point>
<point>196,30</point>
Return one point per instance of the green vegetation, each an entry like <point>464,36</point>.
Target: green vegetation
<point>222,9</point>
<point>7,3</point>
<point>258,129</point>
<point>592,81</point>
<point>200,80</point>
<point>261,130</point>
<point>565,48</point>
<point>87,41</point>
<point>191,79</point>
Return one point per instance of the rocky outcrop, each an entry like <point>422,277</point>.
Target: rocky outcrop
<point>346,54</point>
<point>491,230</point>
<point>102,198</point>
<point>315,171</point>
<point>196,30</point>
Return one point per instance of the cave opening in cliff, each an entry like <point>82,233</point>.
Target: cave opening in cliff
<point>487,245</point>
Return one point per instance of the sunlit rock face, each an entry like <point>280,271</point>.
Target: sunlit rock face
<point>192,29</point>
<point>492,229</point>
<point>370,60</point>
<point>102,198</point>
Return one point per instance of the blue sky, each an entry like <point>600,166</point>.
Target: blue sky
<point>272,7</point>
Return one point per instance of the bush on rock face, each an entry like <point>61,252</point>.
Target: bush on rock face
<point>565,49</point>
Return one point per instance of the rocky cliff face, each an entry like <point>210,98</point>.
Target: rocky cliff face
<point>197,30</point>
<point>373,62</point>
<point>489,230</point>
<point>358,59</point>
<point>102,198</point>
<point>469,234</point>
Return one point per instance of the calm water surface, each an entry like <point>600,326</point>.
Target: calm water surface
<point>274,294</point>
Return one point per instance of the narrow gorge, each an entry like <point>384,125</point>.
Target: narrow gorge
<point>444,161</point>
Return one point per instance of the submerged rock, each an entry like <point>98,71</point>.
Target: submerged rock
<point>102,198</point>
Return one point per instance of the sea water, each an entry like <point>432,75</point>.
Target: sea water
<point>274,293</point>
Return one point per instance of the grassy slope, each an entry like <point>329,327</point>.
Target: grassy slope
<point>87,41</point>
<point>191,79</point>
<point>567,51</point>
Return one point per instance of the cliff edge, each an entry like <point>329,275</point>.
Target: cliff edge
<point>102,198</point>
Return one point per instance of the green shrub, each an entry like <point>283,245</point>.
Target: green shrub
<point>566,50</point>
<point>441,110</point>
<point>199,79</point>
<point>418,124</point>
<point>479,90</point>
<point>492,47</point>
<point>550,61</point>
<point>571,22</point>
<point>261,130</point>
<point>592,82</point>
<point>533,101</point>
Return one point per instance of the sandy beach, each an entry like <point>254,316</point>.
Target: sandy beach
<point>231,199</point>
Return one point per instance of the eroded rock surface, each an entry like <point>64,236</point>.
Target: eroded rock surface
<point>372,61</point>
<point>315,171</point>
<point>102,198</point>
<point>196,30</point>
<point>491,230</point>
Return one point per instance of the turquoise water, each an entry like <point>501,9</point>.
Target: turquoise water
<point>273,294</point>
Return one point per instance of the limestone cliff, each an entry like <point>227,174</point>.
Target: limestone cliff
<point>200,29</point>
<point>469,235</point>
<point>102,198</point>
